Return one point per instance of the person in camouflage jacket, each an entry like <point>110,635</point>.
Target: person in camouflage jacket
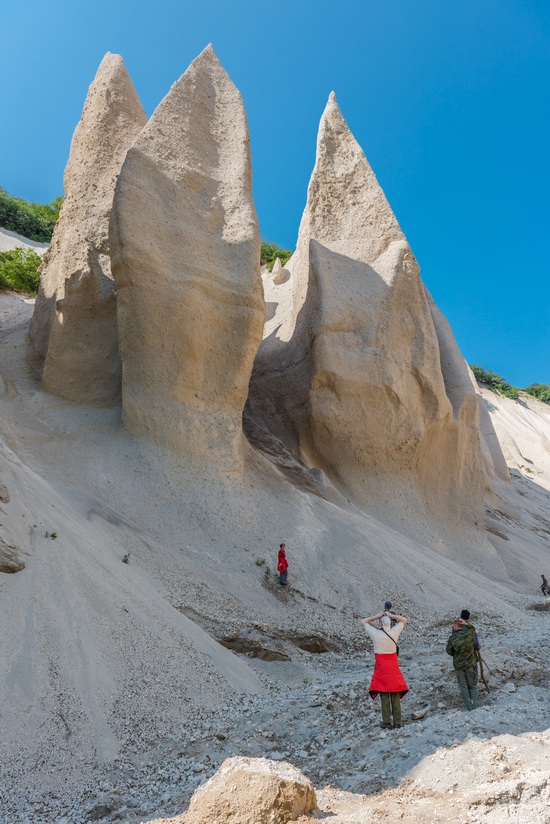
<point>464,646</point>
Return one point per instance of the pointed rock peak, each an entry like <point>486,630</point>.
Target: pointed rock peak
<point>333,123</point>
<point>346,207</point>
<point>201,118</point>
<point>332,100</point>
<point>112,90</point>
<point>111,65</point>
<point>210,51</point>
<point>110,58</point>
<point>207,60</point>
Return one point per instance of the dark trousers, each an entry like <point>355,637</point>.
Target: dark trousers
<point>467,684</point>
<point>282,577</point>
<point>391,706</point>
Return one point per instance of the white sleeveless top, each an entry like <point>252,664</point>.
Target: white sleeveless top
<point>383,644</point>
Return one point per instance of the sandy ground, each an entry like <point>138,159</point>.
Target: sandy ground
<point>117,697</point>
<point>11,240</point>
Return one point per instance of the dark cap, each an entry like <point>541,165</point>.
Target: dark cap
<point>388,605</point>
<point>465,614</point>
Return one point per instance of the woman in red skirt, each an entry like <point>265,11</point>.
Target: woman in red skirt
<point>387,678</point>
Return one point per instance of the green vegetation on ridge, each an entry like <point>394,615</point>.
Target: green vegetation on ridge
<point>270,252</point>
<point>35,221</point>
<point>540,391</point>
<point>495,382</point>
<point>19,270</point>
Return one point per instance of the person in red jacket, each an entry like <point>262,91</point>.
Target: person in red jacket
<point>282,566</point>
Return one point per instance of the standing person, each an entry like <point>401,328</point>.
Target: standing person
<point>387,607</point>
<point>544,586</point>
<point>387,678</point>
<point>465,622</point>
<point>463,645</point>
<point>282,566</point>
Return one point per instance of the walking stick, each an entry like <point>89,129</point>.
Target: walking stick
<point>481,672</point>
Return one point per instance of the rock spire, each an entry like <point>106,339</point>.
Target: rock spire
<point>186,250</point>
<point>278,273</point>
<point>351,367</point>
<point>73,330</point>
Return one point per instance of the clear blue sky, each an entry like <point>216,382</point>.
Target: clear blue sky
<point>450,100</point>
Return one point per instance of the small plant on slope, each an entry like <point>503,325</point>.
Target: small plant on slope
<point>270,252</point>
<point>495,382</point>
<point>540,391</point>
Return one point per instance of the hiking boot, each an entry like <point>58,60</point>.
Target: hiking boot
<point>385,726</point>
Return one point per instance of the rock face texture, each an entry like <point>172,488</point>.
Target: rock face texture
<point>185,255</point>
<point>252,791</point>
<point>10,560</point>
<point>353,370</point>
<point>278,273</point>
<point>73,330</point>
<point>14,515</point>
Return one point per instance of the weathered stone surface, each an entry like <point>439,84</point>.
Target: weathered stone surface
<point>10,560</point>
<point>462,464</point>
<point>73,331</point>
<point>185,252</point>
<point>351,368</point>
<point>4,494</point>
<point>278,273</point>
<point>252,791</point>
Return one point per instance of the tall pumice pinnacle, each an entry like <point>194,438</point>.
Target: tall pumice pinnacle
<point>73,329</point>
<point>186,261</point>
<point>352,356</point>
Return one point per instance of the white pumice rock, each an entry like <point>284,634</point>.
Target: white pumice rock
<point>73,331</point>
<point>185,248</point>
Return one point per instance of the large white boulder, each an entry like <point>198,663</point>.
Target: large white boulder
<point>252,791</point>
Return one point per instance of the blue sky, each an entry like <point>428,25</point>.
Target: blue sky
<point>449,100</point>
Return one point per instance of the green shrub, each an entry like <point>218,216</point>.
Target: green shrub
<point>495,382</point>
<point>33,220</point>
<point>540,391</point>
<point>19,270</point>
<point>270,252</point>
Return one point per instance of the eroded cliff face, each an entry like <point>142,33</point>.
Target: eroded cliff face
<point>353,371</point>
<point>73,330</point>
<point>185,254</point>
<point>358,373</point>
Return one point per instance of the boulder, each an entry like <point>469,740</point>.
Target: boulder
<point>73,331</point>
<point>185,254</point>
<point>351,370</point>
<point>278,273</point>
<point>4,494</point>
<point>10,560</point>
<point>252,791</point>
